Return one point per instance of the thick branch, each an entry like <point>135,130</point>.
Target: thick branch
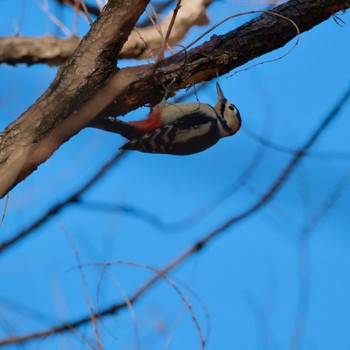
<point>32,138</point>
<point>85,89</point>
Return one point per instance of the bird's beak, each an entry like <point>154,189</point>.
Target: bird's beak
<point>219,91</point>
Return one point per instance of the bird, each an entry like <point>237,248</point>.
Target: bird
<point>183,128</point>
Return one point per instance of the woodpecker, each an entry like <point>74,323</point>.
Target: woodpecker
<point>183,128</point>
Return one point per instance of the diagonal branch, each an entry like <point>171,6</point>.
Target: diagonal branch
<point>88,85</point>
<point>208,238</point>
<point>54,117</point>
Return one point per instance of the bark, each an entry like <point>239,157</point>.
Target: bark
<point>88,84</point>
<point>52,119</point>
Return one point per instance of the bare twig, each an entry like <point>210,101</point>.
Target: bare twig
<point>304,264</point>
<point>126,300</point>
<point>171,25</point>
<point>163,275</point>
<point>84,282</point>
<point>285,149</point>
<point>45,8</point>
<point>85,10</point>
<point>156,8</point>
<point>209,237</point>
<point>4,210</point>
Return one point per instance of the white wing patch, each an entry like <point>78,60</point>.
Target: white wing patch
<point>175,111</point>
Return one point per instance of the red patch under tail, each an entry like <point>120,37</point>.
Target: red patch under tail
<point>151,123</point>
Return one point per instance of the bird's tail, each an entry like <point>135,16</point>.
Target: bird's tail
<point>129,131</point>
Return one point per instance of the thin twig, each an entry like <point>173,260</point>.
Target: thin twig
<point>126,300</point>
<point>53,18</point>
<point>84,282</point>
<point>87,14</point>
<point>285,149</point>
<point>155,9</point>
<point>163,275</point>
<point>170,27</point>
<point>4,211</point>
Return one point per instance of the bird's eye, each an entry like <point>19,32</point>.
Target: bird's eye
<point>231,108</point>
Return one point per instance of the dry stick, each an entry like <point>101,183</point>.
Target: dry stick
<point>4,211</point>
<point>145,44</point>
<point>54,19</point>
<point>74,198</point>
<point>195,248</point>
<point>156,21</point>
<point>75,17</point>
<point>171,24</point>
<point>156,24</point>
<point>156,9</point>
<point>82,2</point>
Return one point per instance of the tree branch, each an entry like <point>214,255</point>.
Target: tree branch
<point>88,86</point>
<point>48,49</point>
<point>56,115</point>
<point>143,43</point>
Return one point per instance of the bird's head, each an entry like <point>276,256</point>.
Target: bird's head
<point>228,113</point>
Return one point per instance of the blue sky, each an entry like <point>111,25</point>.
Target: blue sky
<point>249,277</point>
